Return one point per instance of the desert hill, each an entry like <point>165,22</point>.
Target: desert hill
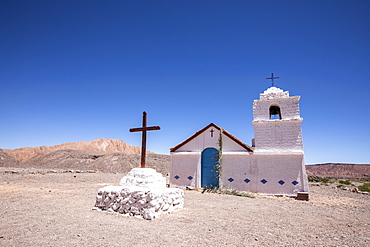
<point>339,170</point>
<point>101,145</point>
<point>7,160</point>
<point>95,161</point>
<point>105,155</point>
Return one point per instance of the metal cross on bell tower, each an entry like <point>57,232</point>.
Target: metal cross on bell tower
<point>272,78</point>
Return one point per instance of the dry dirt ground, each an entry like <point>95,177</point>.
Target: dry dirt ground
<point>43,207</point>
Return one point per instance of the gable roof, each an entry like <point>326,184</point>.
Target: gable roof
<point>232,137</point>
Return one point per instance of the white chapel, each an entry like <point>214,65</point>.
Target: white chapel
<point>273,164</point>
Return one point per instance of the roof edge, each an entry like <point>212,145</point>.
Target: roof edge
<point>217,127</point>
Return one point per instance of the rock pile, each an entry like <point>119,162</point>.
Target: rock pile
<point>142,193</point>
<point>141,202</point>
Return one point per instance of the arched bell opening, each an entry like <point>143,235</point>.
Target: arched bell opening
<point>275,112</point>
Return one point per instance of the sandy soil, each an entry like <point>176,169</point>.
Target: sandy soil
<point>41,207</point>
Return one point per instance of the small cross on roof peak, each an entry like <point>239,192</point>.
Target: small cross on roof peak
<point>272,78</point>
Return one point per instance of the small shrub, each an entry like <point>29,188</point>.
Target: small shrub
<point>365,187</point>
<point>346,182</point>
<point>317,180</point>
<point>326,180</point>
<point>238,193</point>
<point>217,190</point>
<point>211,189</point>
<point>339,186</point>
<point>320,179</point>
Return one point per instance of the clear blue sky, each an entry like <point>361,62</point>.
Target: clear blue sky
<point>80,70</point>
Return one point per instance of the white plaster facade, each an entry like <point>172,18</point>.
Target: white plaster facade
<point>273,165</point>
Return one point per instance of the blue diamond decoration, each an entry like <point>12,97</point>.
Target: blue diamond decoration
<point>190,177</point>
<point>281,182</point>
<point>177,177</point>
<point>231,179</point>
<point>263,181</point>
<point>294,182</point>
<point>246,180</point>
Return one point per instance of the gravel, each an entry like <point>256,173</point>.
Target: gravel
<point>43,207</point>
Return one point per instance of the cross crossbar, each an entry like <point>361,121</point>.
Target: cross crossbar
<point>272,78</point>
<point>144,129</point>
<point>147,129</point>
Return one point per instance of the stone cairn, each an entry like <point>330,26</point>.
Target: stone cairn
<point>142,193</point>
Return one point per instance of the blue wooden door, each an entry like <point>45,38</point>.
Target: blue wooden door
<point>209,171</point>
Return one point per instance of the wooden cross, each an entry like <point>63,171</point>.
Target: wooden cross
<point>144,129</point>
<point>212,132</point>
<point>272,78</point>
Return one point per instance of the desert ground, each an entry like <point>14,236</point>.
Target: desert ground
<point>53,207</point>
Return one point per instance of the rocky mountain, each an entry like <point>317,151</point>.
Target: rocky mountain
<point>338,170</point>
<point>105,155</point>
<point>101,145</point>
<point>96,161</point>
<point>7,160</point>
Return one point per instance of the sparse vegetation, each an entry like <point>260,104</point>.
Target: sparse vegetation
<point>217,190</point>
<point>326,180</point>
<point>219,158</point>
<point>316,179</point>
<point>346,182</point>
<point>238,193</point>
<point>320,180</point>
<point>365,187</point>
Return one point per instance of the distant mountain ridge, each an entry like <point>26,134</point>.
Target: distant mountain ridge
<point>113,155</point>
<point>339,170</point>
<point>102,145</point>
<point>87,160</point>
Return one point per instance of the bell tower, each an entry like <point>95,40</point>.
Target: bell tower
<point>277,122</point>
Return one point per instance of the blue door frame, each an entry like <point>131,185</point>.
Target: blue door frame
<point>209,170</point>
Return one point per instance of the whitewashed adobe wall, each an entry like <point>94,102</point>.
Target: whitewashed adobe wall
<point>282,136</point>
<point>264,174</point>
<point>184,169</point>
